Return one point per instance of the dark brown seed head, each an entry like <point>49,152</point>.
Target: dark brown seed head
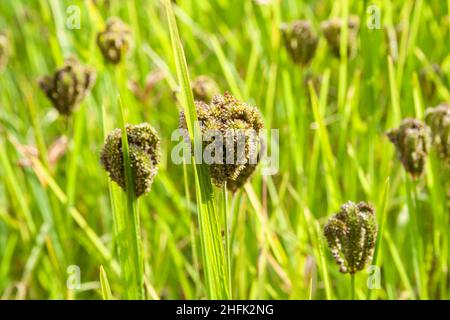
<point>300,41</point>
<point>351,236</point>
<point>332,31</point>
<point>412,141</point>
<point>68,86</point>
<point>438,119</point>
<point>230,132</point>
<point>115,40</point>
<point>143,143</point>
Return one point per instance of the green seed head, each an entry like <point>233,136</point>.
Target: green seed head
<point>426,80</point>
<point>115,40</point>
<point>412,141</point>
<point>143,143</point>
<point>300,41</point>
<point>438,119</point>
<point>332,31</point>
<point>204,88</point>
<point>351,236</point>
<point>239,126</point>
<point>68,86</point>
<point>4,50</point>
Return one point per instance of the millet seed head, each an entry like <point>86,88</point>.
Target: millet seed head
<point>332,31</point>
<point>438,119</point>
<point>204,88</point>
<point>412,141</point>
<point>4,50</point>
<point>68,86</point>
<point>351,236</point>
<point>239,126</point>
<point>426,80</point>
<point>143,143</point>
<point>300,41</point>
<point>115,40</point>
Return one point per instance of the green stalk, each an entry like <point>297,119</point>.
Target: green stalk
<point>214,260</point>
<point>382,220</point>
<point>226,225</point>
<point>135,270</point>
<point>352,286</point>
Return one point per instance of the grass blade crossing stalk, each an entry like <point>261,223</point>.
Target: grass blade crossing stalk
<point>134,271</point>
<point>215,263</point>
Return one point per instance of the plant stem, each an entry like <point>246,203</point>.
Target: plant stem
<point>135,268</point>
<point>227,234</point>
<point>352,284</point>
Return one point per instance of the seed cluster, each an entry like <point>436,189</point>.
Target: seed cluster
<point>4,50</point>
<point>68,86</point>
<point>143,143</point>
<point>300,41</point>
<point>115,40</point>
<point>438,119</point>
<point>230,118</point>
<point>204,88</point>
<point>412,141</point>
<point>351,236</point>
<point>426,81</point>
<point>332,31</point>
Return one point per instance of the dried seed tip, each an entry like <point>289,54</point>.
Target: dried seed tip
<point>204,88</point>
<point>438,119</point>
<point>300,41</point>
<point>332,31</point>
<point>144,156</point>
<point>68,86</point>
<point>115,40</point>
<point>230,135</point>
<point>4,50</point>
<point>427,83</point>
<point>351,236</point>
<point>412,141</point>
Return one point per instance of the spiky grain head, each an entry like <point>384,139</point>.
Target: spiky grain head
<point>68,86</point>
<point>438,119</point>
<point>412,141</point>
<point>230,131</point>
<point>300,41</point>
<point>144,151</point>
<point>351,236</point>
<point>332,31</point>
<point>115,40</point>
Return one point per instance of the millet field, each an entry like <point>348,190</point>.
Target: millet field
<point>225,149</point>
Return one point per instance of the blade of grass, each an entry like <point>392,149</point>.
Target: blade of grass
<point>104,283</point>
<point>214,260</point>
<point>134,270</point>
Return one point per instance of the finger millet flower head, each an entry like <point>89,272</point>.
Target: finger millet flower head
<point>115,40</point>
<point>438,119</point>
<point>144,156</point>
<point>351,236</point>
<point>68,86</point>
<point>332,31</point>
<point>204,88</point>
<point>238,126</point>
<point>300,41</point>
<point>412,141</point>
<point>4,50</point>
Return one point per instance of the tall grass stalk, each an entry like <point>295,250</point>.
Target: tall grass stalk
<point>214,260</point>
<point>134,270</point>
